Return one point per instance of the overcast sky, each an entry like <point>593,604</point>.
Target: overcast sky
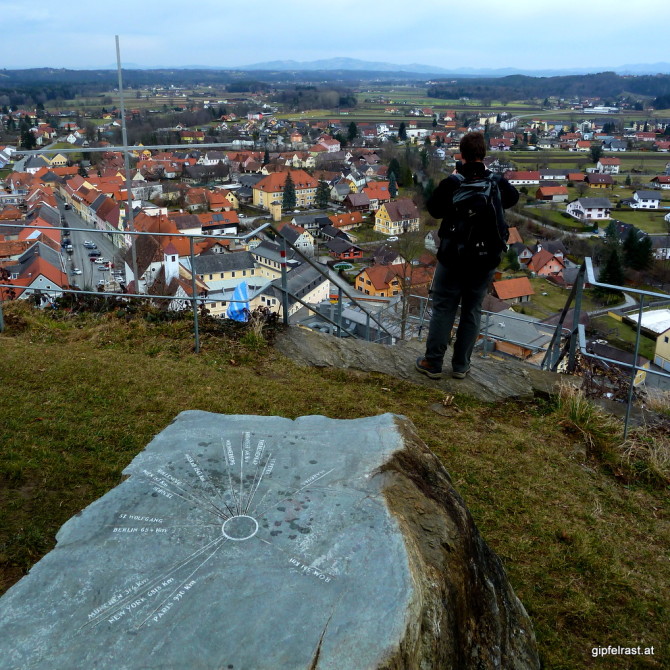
<point>525,34</point>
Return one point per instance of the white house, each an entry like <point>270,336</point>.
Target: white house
<point>645,200</point>
<point>589,209</point>
<point>607,165</point>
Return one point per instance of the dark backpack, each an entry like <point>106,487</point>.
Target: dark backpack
<point>472,233</point>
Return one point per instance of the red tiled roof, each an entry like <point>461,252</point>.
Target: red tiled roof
<point>540,259</point>
<point>508,289</point>
<point>274,182</point>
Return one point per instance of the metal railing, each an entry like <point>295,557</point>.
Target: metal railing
<point>548,328</point>
<point>575,340</point>
<point>198,300</point>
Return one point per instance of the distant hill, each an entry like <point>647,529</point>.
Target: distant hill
<point>357,65</point>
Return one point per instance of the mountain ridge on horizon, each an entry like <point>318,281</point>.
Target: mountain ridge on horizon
<point>355,64</point>
<point>344,63</point>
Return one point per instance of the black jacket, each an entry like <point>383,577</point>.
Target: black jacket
<point>439,203</point>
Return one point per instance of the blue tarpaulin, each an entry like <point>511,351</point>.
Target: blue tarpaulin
<point>238,309</point>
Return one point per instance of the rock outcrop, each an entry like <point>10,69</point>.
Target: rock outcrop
<point>490,378</point>
<point>260,542</point>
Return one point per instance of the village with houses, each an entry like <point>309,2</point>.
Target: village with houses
<point>309,202</point>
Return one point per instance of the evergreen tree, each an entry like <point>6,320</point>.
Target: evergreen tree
<point>288,199</point>
<point>630,246</point>
<point>393,185</point>
<point>627,181</point>
<point>406,177</point>
<point>394,166</point>
<point>28,140</point>
<point>322,195</point>
<point>512,260</point>
<point>612,272</point>
<point>402,131</point>
<point>82,172</point>
<point>428,189</point>
<point>644,256</point>
<point>352,131</point>
<point>596,153</point>
<point>638,253</point>
<point>266,157</point>
<point>612,235</point>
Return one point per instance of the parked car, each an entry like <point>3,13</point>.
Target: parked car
<point>94,254</point>
<point>76,271</point>
<point>103,268</point>
<point>393,238</point>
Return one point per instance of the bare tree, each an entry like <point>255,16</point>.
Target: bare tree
<point>410,247</point>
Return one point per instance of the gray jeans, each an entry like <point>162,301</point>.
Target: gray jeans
<point>453,286</point>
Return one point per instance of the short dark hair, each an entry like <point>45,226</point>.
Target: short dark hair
<point>473,146</point>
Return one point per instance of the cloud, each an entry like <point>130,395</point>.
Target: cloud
<point>523,34</point>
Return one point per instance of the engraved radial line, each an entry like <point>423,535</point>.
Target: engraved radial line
<point>149,585</point>
<point>195,495</point>
<point>252,493</point>
<point>155,480</point>
<point>118,606</point>
<point>260,502</point>
<point>210,485</point>
<point>241,474</point>
<point>182,584</point>
<point>286,553</point>
<point>196,498</point>
<point>297,491</point>
<point>260,449</point>
<point>228,467</point>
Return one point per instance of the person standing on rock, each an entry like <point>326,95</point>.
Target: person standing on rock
<point>473,235</point>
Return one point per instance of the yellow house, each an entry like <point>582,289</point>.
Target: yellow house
<point>58,160</point>
<point>396,217</point>
<point>270,189</point>
<point>380,280</point>
<point>662,351</point>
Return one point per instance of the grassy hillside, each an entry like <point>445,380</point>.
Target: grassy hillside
<point>585,545</point>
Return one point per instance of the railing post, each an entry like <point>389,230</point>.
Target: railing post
<point>284,282</point>
<point>367,327</point>
<point>633,373</point>
<point>486,335</point>
<point>194,298</point>
<point>2,316</point>
<point>576,314</point>
<point>339,312</point>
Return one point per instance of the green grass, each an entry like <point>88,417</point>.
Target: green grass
<point>82,395</point>
<point>543,306</point>
<point>621,335</point>
<point>556,216</point>
<point>648,221</point>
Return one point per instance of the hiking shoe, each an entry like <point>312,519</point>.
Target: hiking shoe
<point>425,368</point>
<point>460,375</point>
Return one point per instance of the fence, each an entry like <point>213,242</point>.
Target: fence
<point>197,299</point>
<point>576,334</point>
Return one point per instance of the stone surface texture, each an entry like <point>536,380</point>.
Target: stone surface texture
<point>254,543</point>
<point>490,379</point>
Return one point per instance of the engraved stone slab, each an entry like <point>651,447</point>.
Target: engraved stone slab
<point>244,543</point>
